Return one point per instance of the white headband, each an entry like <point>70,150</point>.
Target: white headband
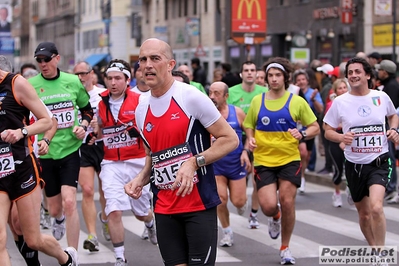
<point>125,71</point>
<point>276,65</point>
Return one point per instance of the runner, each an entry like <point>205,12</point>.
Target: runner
<point>232,169</point>
<point>63,94</point>
<point>176,122</point>
<point>124,156</point>
<point>271,128</point>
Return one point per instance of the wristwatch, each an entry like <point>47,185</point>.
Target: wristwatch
<point>84,127</point>
<point>303,133</point>
<point>200,160</point>
<point>395,129</point>
<point>24,132</point>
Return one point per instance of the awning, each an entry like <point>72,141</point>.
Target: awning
<point>94,59</point>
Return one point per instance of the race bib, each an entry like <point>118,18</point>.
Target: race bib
<point>117,137</point>
<point>7,165</point>
<point>64,112</point>
<point>368,139</point>
<point>167,162</point>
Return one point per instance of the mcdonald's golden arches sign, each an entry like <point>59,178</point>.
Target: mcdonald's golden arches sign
<point>248,17</point>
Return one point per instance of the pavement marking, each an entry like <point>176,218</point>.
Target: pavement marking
<point>339,226</point>
<point>391,213</point>
<point>239,225</point>
<point>84,256</point>
<point>136,227</point>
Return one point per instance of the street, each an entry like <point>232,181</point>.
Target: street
<point>317,223</point>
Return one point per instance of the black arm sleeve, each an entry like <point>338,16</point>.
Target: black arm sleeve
<point>87,112</point>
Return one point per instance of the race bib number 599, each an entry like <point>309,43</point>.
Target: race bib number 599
<point>167,162</point>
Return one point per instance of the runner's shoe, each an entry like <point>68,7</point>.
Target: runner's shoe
<point>104,227</point>
<point>227,240</point>
<point>286,257</point>
<point>144,235</point>
<point>274,228</point>
<point>71,251</point>
<point>91,243</point>
<point>46,222</point>
<point>253,222</point>
<point>242,210</point>
<point>152,234</point>
<point>58,229</point>
<point>336,200</point>
<point>120,262</point>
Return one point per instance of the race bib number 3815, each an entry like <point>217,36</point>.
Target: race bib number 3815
<point>368,139</point>
<point>167,162</point>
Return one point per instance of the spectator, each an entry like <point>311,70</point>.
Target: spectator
<point>199,74</point>
<point>229,78</point>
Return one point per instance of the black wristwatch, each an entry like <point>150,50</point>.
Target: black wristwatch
<point>84,127</point>
<point>303,133</point>
<point>395,129</point>
<point>24,132</point>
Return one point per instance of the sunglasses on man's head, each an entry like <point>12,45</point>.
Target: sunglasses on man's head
<point>118,65</point>
<point>45,59</point>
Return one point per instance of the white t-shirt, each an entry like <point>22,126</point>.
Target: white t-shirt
<point>364,115</point>
<point>136,90</point>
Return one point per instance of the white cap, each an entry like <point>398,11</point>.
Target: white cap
<point>325,68</point>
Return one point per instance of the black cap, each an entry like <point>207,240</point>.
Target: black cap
<point>46,48</point>
<point>375,55</point>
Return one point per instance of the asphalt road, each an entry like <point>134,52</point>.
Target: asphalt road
<point>317,223</point>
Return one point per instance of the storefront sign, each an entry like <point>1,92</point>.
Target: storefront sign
<point>382,34</point>
<point>248,16</point>
<point>300,55</point>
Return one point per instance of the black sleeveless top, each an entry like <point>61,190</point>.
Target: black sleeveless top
<point>13,116</point>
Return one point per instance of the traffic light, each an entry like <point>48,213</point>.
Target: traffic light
<point>106,9</point>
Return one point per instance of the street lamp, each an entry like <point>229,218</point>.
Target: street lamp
<point>331,34</point>
<point>288,37</point>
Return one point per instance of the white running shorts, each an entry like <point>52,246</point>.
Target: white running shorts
<point>114,175</point>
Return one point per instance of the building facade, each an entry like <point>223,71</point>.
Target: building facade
<point>301,30</point>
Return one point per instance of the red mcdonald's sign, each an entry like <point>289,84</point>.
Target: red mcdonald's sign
<point>248,17</point>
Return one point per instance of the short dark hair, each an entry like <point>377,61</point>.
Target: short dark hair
<point>246,63</point>
<point>195,60</point>
<point>177,73</point>
<point>27,65</point>
<point>226,66</point>
<point>287,66</point>
<point>366,66</point>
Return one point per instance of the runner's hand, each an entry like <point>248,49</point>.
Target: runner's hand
<point>133,189</point>
<point>79,132</point>
<point>252,144</point>
<point>43,147</point>
<point>245,160</point>
<point>11,136</point>
<point>184,177</point>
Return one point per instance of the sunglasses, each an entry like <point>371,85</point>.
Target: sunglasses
<point>45,59</point>
<point>82,73</point>
<point>118,65</point>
